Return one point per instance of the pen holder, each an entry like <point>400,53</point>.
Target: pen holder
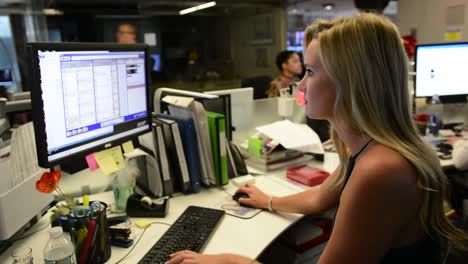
<point>90,235</point>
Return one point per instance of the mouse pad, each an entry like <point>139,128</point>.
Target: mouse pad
<point>234,209</point>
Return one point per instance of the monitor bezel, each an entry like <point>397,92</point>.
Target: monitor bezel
<point>38,103</point>
<point>447,99</point>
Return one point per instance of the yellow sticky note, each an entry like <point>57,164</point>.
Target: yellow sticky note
<point>110,160</point>
<point>128,146</point>
<point>142,223</point>
<point>116,153</point>
<point>106,162</point>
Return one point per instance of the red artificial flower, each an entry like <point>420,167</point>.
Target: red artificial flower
<point>48,182</point>
<point>410,45</point>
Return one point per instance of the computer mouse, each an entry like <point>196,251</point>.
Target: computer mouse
<point>239,195</point>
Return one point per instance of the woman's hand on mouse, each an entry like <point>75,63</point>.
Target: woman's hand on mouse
<point>190,257</point>
<point>257,198</point>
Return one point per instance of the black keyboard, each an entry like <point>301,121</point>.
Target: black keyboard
<point>190,231</point>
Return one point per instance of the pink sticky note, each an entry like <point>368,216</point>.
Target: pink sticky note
<point>92,164</point>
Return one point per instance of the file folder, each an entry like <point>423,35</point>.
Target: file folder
<point>161,157</point>
<point>190,143</point>
<point>196,111</point>
<point>217,127</point>
<point>176,155</point>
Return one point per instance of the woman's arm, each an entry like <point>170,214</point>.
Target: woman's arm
<point>312,201</point>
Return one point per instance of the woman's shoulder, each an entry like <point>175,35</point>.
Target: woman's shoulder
<point>383,166</point>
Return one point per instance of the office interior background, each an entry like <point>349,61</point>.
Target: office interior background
<point>214,48</point>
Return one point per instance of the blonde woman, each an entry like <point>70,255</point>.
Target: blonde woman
<point>389,187</point>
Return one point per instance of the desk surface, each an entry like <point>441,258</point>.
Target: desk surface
<point>247,237</point>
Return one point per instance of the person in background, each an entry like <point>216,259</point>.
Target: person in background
<point>290,65</point>
<point>126,33</point>
<point>389,187</point>
<point>459,152</point>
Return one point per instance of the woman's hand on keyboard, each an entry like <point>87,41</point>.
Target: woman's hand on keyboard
<point>190,257</point>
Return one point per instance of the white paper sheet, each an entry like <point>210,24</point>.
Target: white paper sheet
<point>23,154</point>
<point>293,136</point>
<point>331,161</point>
<point>5,177</point>
<point>150,39</point>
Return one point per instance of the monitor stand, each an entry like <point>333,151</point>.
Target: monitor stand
<point>74,165</point>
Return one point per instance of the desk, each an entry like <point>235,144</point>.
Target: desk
<point>247,237</point>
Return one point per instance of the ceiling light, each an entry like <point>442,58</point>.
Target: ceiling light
<point>196,8</point>
<point>52,12</point>
<point>328,6</point>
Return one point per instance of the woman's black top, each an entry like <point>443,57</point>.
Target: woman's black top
<point>425,250</point>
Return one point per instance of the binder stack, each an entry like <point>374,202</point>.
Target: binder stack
<point>175,154</point>
<point>217,127</point>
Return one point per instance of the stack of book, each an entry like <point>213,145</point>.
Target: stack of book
<point>279,158</point>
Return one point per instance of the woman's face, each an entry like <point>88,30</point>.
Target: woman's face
<point>319,91</point>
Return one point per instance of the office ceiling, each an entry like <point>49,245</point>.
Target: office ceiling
<point>153,7</point>
<point>172,7</point>
<point>341,7</point>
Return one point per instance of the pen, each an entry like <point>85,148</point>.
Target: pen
<point>87,243</point>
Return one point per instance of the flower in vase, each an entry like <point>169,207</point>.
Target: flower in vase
<point>48,183</point>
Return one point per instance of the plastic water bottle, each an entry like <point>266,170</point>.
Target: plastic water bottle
<point>59,249</point>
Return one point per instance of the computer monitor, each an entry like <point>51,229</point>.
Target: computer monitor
<point>294,41</point>
<point>155,62</point>
<point>6,79</point>
<point>241,106</point>
<point>441,71</point>
<point>87,96</point>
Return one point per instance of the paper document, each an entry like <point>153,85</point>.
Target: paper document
<point>331,161</point>
<point>293,136</point>
<point>23,154</point>
<point>147,140</point>
<point>276,187</point>
<point>5,178</point>
<point>178,100</point>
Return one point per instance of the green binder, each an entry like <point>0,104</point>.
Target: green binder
<point>217,127</point>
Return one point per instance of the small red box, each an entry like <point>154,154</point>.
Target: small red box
<point>307,175</point>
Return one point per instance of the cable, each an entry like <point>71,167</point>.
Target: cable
<point>30,234</point>
<point>138,240</point>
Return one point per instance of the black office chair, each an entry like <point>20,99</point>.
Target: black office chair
<point>260,85</point>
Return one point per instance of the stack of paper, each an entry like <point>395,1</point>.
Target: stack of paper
<point>293,136</point>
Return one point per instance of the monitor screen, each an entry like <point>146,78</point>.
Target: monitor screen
<point>155,62</point>
<point>441,70</point>
<point>294,41</point>
<point>87,96</point>
<point>5,76</point>
<point>241,107</point>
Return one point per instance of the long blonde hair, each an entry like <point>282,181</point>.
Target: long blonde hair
<point>365,59</point>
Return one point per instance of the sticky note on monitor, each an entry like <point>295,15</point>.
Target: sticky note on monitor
<point>92,163</point>
<point>128,147</point>
<point>110,160</point>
